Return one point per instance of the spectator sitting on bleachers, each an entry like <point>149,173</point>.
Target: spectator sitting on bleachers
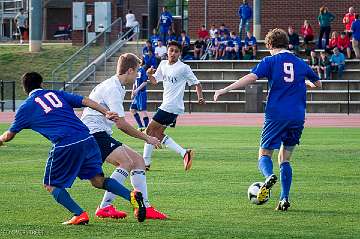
<point>212,31</point>
<point>223,30</point>
<point>184,40</point>
<point>171,36</point>
<point>222,46</point>
<point>215,43</point>
<point>160,52</point>
<point>229,48</point>
<point>343,44</point>
<point>314,61</point>
<point>337,62</point>
<point>148,47</point>
<point>307,32</point>
<point>250,47</point>
<point>199,48</point>
<point>348,19</point>
<point>355,27</point>
<point>332,43</point>
<point>324,66</point>
<point>203,33</point>
<point>237,45</point>
<point>154,38</point>
<point>294,41</point>
<point>150,60</point>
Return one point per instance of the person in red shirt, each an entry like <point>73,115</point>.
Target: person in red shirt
<point>203,33</point>
<point>348,20</point>
<point>343,43</point>
<point>332,43</point>
<point>307,32</point>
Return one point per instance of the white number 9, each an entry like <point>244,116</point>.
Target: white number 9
<point>289,71</point>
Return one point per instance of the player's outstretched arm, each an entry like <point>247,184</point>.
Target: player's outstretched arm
<point>150,73</point>
<point>94,105</point>
<point>199,93</point>
<point>125,127</point>
<point>6,136</point>
<point>241,83</point>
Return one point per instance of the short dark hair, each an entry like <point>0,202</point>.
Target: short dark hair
<point>183,31</point>
<point>21,9</point>
<point>277,38</point>
<point>31,81</point>
<point>174,43</point>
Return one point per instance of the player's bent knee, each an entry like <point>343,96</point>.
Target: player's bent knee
<point>48,188</point>
<point>98,181</point>
<point>265,152</point>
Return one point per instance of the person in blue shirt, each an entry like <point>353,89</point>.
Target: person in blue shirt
<point>165,23</point>
<point>223,30</point>
<point>245,14</point>
<point>337,62</point>
<point>74,153</point>
<point>154,38</point>
<point>150,60</point>
<point>139,97</point>
<point>355,27</point>
<point>285,109</point>
<point>148,47</point>
<point>250,46</point>
<point>184,41</point>
<point>237,45</point>
<point>215,44</point>
<point>171,36</point>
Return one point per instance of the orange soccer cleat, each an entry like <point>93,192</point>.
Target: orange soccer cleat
<point>82,219</point>
<point>152,213</point>
<point>188,159</point>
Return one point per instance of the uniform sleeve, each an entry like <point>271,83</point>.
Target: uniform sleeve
<point>262,69</point>
<point>72,99</point>
<point>21,121</point>
<point>113,100</point>
<point>158,74</point>
<point>190,77</point>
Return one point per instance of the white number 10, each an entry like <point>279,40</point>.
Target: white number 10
<point>289,71</point>
<point>52,98</point>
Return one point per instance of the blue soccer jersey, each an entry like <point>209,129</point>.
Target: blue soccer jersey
<point>142,77</point>
<point>250,41</point>
<point>286,75</point>
<point>166,20</point>
<point>51,114</point>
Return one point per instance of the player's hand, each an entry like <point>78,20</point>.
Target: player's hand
<point>309,83</point>
<point>218,93</point>
<point>154,141</point>
<point>113,116</point>
<point>201,101</point>
<point>150,71</point>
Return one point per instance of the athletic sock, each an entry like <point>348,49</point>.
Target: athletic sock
<point>138,120</point>
<point>265,165</point>
<point>113,186</point>
<point>146,121</point>
<point>120,176</point>
<point>285,178</point>
<point>170,143</point>
<point>148,148</point>
<point>138,181</point>
<point>64,198</point>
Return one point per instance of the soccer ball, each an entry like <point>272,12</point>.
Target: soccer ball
<point>252,192</point>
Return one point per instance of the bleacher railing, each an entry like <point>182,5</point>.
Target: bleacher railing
<point>90,51</point>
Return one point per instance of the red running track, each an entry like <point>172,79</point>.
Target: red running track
<point>242,119</point>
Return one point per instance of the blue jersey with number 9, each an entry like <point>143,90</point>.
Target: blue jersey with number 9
<point>51,114</point>
<point>286,75</point>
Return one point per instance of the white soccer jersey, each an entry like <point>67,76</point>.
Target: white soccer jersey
<point>110,94</point>
<point>174,78</point>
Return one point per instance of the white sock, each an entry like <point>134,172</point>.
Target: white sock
<point>120,176</point>
<point>148,148</point>
<point>170,143</point>
<point>138,181</point>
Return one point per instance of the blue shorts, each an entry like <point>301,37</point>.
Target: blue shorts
<point>140,101</point>
<point>286,132</point>
<point>81,159</point>
<point>165,118</point>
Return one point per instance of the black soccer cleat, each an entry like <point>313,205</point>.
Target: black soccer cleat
<point>264,190</point>
<point>283,205</point>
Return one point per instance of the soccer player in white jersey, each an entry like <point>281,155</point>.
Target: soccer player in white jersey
<point>175,75</point>
<point>110,94</point>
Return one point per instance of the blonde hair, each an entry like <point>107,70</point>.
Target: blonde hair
<point>127,61</point>
<point>277,38</point>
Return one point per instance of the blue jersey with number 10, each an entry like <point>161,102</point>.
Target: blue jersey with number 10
<point>51,114</point>
<point>286,75</point>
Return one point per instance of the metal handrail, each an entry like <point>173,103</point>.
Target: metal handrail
<point>85,50</point>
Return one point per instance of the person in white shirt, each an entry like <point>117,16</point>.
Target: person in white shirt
<point>130,22</point>
<point>20,20</point>
<point>110,94</point>
<point>160,51</point>
<point>175,75</point>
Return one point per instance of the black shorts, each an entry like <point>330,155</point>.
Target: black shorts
<point>165,118</point>
<point>22,30</point>
<point>106,143</point>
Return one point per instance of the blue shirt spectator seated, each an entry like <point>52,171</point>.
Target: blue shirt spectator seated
<point>338,63</point>
<point>250,47</point>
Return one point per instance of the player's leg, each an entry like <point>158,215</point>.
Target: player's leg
<point>145,116</point>
<point>134,112</point>
<point>142,107</point>
<point>156,130</point>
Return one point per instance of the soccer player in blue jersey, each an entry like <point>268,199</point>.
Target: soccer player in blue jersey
<point>165,23</point>
<point>139,97</point>
<point>285,109</point>
<point>74,153</point>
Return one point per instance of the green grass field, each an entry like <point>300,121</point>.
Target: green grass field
<point>210,201</point>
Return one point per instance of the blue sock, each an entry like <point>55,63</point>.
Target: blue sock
<point>266,165</point>
<point>138,120</point>
<point>113,186</point>
<point>146,121</point>
<point>285,178</point>
<point>64,198</point>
